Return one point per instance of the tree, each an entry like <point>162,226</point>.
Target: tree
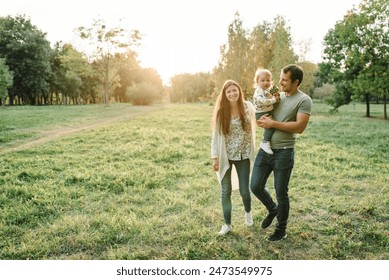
<point>268,45</point>
<point>27,54</point>
<point>80,74</point>
<point>191,87</point>
<point>260,52</point>
<point>356,55</point>
<point>129,73</point>
<point>71,73</point>
<point>105,44</point>
<point>309,80</point>
<point>234,57</point>
<point>281,46</point>
<point>6,80</point>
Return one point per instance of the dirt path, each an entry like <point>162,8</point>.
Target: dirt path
<point>46,136</point>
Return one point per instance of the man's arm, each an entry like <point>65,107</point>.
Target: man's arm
<point>297,126</point>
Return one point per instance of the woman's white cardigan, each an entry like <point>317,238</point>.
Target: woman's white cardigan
<point>219,149</point>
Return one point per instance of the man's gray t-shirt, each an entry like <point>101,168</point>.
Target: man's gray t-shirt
<point>286,111</point>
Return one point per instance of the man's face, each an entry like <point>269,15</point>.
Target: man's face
<point>286,83</point>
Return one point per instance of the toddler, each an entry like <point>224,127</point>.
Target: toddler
<point>265,95</point>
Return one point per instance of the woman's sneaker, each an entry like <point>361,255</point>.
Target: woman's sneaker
<point>248,218</point>
<point>225,229</point>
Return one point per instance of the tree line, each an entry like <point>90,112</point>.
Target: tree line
<point>34,73</point>
<point>267,45</point>
<point>354,66</point>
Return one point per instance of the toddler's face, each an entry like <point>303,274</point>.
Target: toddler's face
<point>264,81</point>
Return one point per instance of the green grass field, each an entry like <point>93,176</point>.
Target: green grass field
<point>141,186</point>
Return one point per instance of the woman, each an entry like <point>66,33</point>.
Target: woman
<point>233,143</point>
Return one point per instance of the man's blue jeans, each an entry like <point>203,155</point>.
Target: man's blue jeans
<point>243,169</point>
<point>281,163</point>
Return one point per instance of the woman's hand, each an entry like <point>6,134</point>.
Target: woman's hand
<point>215,164</point>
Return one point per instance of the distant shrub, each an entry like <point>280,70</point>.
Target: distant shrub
<point>324,93</point>
<point>143,94</point>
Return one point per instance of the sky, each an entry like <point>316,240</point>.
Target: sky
<point>182,36</point>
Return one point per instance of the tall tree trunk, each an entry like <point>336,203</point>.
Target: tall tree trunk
<point>11,99</point>
<point>385,112</point>
<point>367,105</point>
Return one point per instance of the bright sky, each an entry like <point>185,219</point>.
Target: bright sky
<point>182,36</point>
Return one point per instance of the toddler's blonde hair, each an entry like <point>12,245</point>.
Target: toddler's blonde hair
<point>259,72</point>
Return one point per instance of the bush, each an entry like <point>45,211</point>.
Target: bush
<point>143,94</point>
<point>324,93</point>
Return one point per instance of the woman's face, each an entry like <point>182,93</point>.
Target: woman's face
<point>232,93</point>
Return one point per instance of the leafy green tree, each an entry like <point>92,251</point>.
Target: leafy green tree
<point>129,73</point>
<point>309,81</point>
<point>268,45</point>
<point>6,80</point>
<point>356,55</point>
<point>27,54</point>
<point>81,72</point>
<point>281,46</point>
<point>105,43</point>
<point>260,51</point>
<point>191,87</point>
<point>234,56</point>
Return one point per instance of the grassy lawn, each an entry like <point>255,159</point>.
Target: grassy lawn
<point>143,188</point>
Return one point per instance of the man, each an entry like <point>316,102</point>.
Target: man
<point>291,116</point>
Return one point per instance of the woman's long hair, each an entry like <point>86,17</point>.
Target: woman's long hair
<point>222,113</point>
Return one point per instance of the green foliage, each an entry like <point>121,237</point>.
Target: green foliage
<point>129,73</point>
<point>191,87</point>
<point>143,94</point>
<point>356,53</point>
<point>143,188</point>
<point>324,92</point>
<point>267,45</point>
<point>73,76</point>
<point>27,53</point>
<point>6,80</point>
<point>234,54</point>
<point>106,43</point>
<point>281,46</point>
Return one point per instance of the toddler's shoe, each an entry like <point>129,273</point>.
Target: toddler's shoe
<point>265,145</point>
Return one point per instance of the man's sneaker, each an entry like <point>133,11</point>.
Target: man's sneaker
<point>248,218</point>
<point>269,219</point>
<point>266,147</point>
<point>225,229</point>
<point>277,235</point>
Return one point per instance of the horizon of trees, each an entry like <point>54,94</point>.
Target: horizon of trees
<point>33,73</point>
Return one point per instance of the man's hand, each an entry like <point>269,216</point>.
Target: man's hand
<point>265,122</point>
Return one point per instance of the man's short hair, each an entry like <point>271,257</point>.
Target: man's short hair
<point>296,72</point>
